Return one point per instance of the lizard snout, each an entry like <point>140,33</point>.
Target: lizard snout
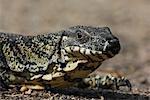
<point>112,46</point>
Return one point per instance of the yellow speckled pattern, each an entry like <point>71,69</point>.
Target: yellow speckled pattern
<point>55,59</point>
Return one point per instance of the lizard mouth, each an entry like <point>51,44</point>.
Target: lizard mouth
<point>88,54</point>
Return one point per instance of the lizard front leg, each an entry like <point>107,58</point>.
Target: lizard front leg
<point>105,82</point>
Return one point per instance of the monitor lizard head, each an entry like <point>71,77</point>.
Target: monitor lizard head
<point>95,43</point>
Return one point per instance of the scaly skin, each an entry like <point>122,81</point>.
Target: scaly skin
<point>55,59</point>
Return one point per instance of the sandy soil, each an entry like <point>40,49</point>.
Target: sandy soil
<point>129,20</point>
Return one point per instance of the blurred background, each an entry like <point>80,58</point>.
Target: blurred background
<point>129,20</point>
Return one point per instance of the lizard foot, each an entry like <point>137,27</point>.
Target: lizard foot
<point>107,82</point>
<point>27,89</point>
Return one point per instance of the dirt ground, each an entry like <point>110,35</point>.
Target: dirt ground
<point>128,20</point>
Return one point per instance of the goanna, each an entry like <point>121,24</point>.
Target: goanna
<point>59,59</point>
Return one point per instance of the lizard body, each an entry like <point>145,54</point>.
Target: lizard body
<point>55,59</point>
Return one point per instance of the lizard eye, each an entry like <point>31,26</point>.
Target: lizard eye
<point>79,34</point>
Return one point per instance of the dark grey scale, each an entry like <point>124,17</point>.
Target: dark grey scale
<point>41,54</point>
<point>20,60</point>
<point>33,46</point>
<point>77,80</point>
<point>89,48</point>
<point>45,42</point>
<point>13,67</point>
<point>92,53</point>
<point>11,46</point>
<point>28,43</point>
<point>8,52</point>
<point>108,54</point>
<point>5,48</point>
<point>67,78</point>
<point>14,51</point>
<point>100,57</point>
<point>84,55</point>
<point>38,52</point>
<point>65,55</point>
<point>32,68</point>
<point>45,39</point>
<point>18,54</point>
<point>20,67</point>
<point>66,52</point>
<point>71,54</point>
<point>7,77</point>
<point>50,57</point>
<point>55,37</point>
<point>40,68</point>
<point>84,67</point>
<point>89,58</point>
<point>3,62</point>
<point>75,61</point>
<point>63,65</point>
<point>59,61</point>
<point>30,63</point>
<point>21,44</point>
<point>24,57</point>
<point>3,85</point>
<point>17,49</point>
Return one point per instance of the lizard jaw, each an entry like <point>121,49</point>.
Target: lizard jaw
<point>82,50</point>
<point>93,55</point>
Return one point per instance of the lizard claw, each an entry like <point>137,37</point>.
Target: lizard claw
<point>124,82</point>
